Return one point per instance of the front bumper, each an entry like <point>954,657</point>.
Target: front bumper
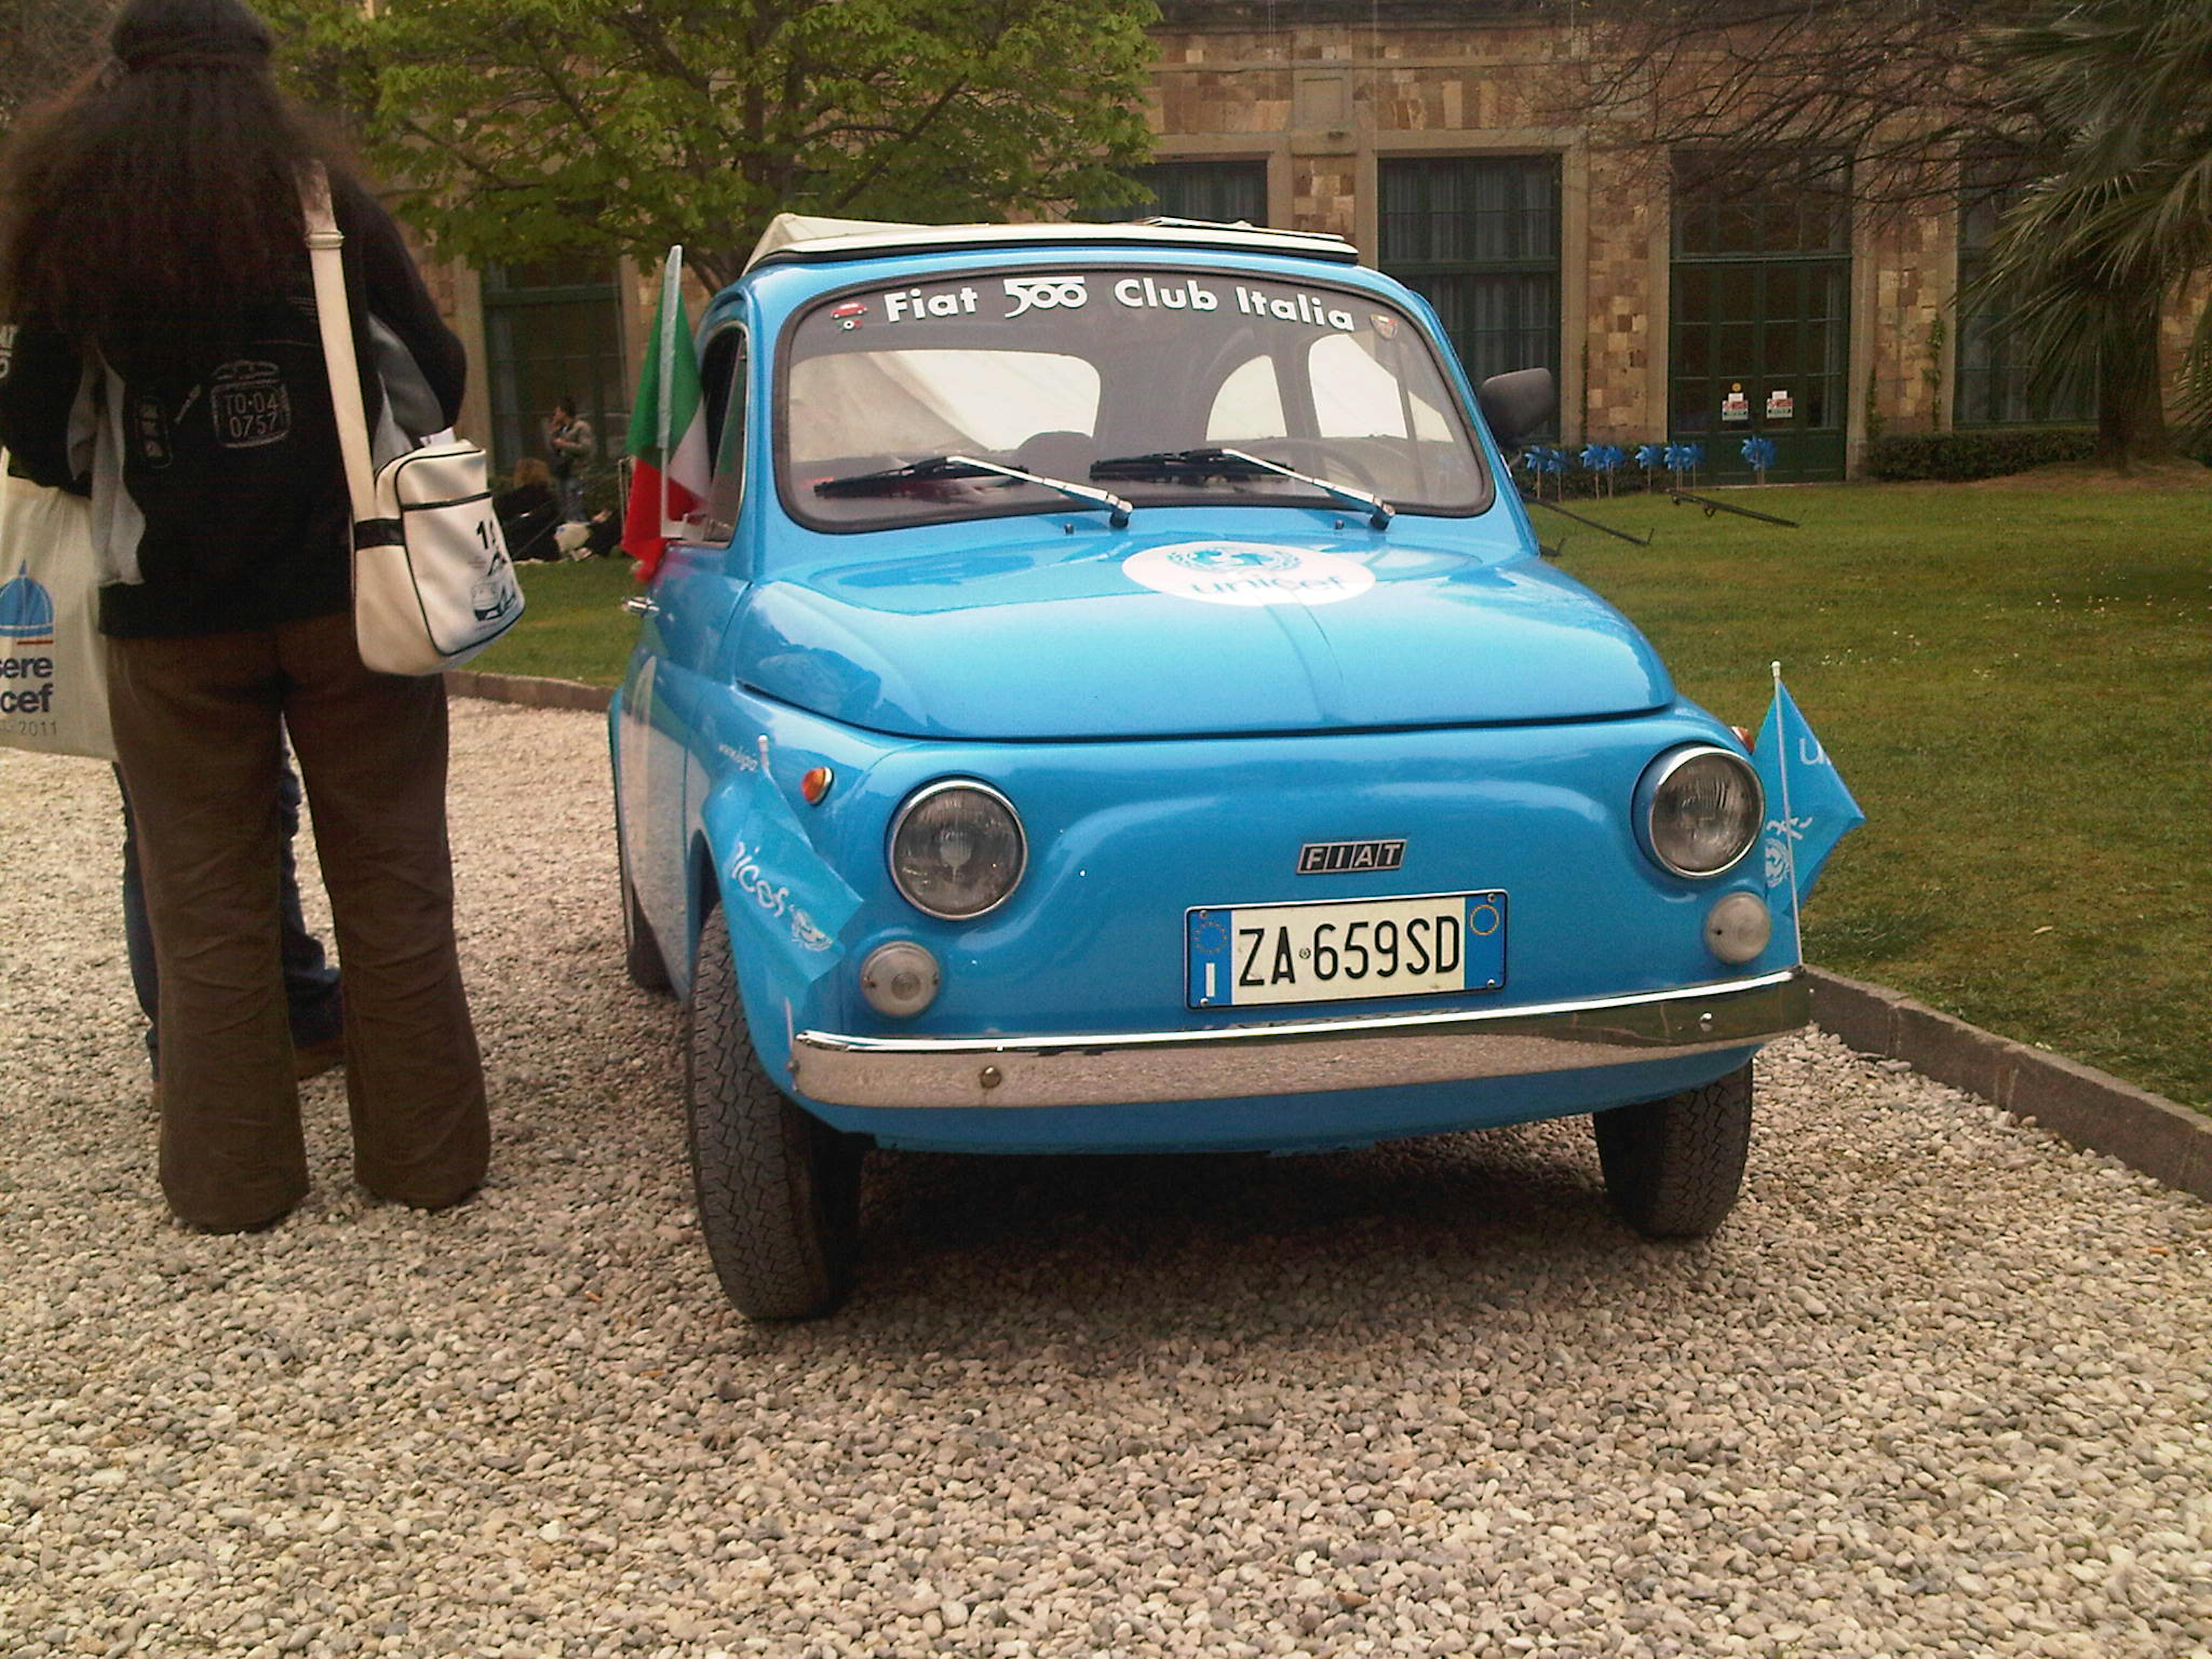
<point>1304,1057</point>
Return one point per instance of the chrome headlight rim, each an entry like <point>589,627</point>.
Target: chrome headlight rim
<point>929,792</point>
<point>1654,783</point>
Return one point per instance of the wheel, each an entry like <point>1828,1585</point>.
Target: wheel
<point>779,1190</point>
<point>1672,1167</point>
<point>641,957</point>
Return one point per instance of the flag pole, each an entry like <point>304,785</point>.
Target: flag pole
<point>1788,831</point>
<point>671,289</point>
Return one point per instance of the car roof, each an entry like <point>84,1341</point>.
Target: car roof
<point>794,238</point>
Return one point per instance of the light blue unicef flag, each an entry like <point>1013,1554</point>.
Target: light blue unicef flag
<point>781,894</point>
<point>1809,810</point>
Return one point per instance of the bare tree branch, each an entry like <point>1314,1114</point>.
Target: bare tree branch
<point>45,43</point>
<point>1890,92</point>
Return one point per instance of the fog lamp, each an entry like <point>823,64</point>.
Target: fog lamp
<point>899,979</point>
<point>1738,927</point>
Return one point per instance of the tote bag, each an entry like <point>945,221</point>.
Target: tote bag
<point>53,665</point>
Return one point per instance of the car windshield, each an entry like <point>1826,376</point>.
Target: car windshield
<point>1134,382</point>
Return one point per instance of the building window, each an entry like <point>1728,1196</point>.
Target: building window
<point>1479,238</point>
<point>1223,193</point>
<point>553,329</point>
<point>1994,383</point>
<point>1723,212</point>
<point>1759,316</point>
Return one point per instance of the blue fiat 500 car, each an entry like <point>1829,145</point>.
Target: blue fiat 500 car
<point>1112,702</point>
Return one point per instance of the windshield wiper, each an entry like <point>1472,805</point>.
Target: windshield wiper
<point>967,466</point>
<point>1193,464</point>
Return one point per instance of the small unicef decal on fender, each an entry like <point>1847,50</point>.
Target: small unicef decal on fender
<point>1248,573</point>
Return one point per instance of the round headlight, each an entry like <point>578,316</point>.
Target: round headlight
<point>956,849</point>
<point>1705,809</point>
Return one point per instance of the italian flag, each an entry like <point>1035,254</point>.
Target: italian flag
<point>667,437</point>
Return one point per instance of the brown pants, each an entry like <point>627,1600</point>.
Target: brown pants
<point>196,733</point>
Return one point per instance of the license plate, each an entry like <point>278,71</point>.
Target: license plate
<point>1345,950</point>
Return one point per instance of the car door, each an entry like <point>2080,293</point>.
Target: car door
<point>669,705</point>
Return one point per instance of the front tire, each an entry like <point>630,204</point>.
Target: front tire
<point>1674,1167</point>
<point>779,1190</point>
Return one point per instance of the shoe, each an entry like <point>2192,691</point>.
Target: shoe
<point>316,1058</point>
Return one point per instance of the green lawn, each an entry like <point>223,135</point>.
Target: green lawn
<point>2015,681</point>
<point>573,625</point>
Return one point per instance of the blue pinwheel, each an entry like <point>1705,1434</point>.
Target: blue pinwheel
<point>1604,460</point>
<point>1543,462</point>
<point>1759,453</point>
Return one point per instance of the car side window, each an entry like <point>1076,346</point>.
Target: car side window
<point>1249,405</point>
<point>722,378</point>
<point>1356,397</point>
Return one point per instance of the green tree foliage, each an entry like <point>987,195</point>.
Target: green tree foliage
<point>2122,226</point>
<point>524,127</point>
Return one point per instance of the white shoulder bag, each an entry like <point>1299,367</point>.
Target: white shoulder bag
<point>432,582</point>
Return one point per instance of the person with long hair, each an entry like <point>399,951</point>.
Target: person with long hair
<point>161,351</point>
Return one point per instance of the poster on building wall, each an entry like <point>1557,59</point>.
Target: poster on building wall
<point>1778,405</point>
<point>1736,406</point>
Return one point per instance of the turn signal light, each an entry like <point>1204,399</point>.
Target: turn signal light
<point>816,784</point>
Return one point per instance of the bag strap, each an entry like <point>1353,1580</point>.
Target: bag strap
<point>324,242</point>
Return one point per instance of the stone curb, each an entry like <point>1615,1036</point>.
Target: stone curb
<point>532,691</point>
<point>2076,1102</point>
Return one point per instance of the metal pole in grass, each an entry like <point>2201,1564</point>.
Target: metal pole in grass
<point>1789,837</point>
<point>671,296</point>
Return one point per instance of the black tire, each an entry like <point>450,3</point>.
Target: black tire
<point>779,1190</point>
<point>1674,1167</point>
<point>641,957</point>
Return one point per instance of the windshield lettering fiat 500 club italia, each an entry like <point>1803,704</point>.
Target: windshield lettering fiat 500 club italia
<point>1106,703</point>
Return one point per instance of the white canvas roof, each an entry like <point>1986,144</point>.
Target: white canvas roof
<point>804,238</point>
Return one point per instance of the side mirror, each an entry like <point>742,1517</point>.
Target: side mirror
<point>1517,405</point>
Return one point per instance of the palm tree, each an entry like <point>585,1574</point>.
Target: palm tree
<point>2093,252</point>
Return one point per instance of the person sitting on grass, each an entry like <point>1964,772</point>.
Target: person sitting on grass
<point>530,512</point>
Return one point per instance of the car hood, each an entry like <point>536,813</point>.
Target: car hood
<point>1176,636</point>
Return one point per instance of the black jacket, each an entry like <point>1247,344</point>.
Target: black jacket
<point>228,448</point>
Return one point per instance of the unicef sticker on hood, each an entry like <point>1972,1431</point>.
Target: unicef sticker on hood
<point>1248,573</point>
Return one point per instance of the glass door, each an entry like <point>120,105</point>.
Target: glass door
<point>1760,322</point>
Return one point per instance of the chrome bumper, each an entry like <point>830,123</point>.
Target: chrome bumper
<point>1306,1057</point>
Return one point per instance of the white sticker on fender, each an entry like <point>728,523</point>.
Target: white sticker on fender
<point>1249,573</point>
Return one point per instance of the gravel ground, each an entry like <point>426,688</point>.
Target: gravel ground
<point>1940,1386</point>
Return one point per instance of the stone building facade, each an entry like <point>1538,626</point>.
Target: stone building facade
<point>1341,103</point>
<point>1451,143</point>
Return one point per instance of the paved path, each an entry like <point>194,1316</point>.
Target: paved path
<point>1941,1386</point>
